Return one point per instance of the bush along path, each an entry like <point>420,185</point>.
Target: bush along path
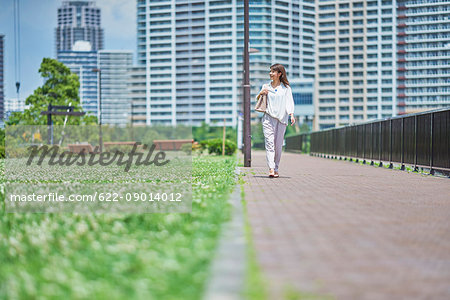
<point>117,256</point>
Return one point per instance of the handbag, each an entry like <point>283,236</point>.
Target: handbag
<point>261,103</point>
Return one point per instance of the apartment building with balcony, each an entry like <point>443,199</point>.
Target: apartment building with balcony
<point>423,55</point>
<point>192,54</point>
<point>355,62</point>
<point>137,90</point>
<point>115,106</point>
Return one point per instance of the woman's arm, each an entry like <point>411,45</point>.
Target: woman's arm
<point>289,101</point>
<point>290,105</point>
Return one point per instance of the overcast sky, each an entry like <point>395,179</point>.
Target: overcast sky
<point>37,26</point>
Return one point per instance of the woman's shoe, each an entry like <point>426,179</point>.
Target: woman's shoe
<point>271,173</point>
<point>276,175</point>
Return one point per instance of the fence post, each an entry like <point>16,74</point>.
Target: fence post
<point>390,144</point>
<point>335,137</point>
<point>402,163</point>
<point>344,129</point>
<point>415,143</point>
<point>379,146</point>
<point>356,134</point>
<point>431,143</point>
<point>371,148</point>
<point>364,144</point>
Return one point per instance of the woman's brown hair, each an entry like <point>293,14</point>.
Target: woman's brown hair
<point>283,77</point>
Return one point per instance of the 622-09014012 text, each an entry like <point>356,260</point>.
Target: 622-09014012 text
<point>101,197</point>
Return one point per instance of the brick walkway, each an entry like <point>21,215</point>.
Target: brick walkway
<point>339,229</point>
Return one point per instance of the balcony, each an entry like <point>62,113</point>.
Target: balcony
<point>401,96</point>
<point>401,60</point>
<point>435,75</point>
<point>401,25</point>
<point>401,86</point>
<point>402,17</point>
<point>401,51</point>
<point>401,104</point>
<point>401,34</point>
<point>401,78</point>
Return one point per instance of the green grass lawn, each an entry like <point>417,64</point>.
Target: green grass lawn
<point>117,256</point>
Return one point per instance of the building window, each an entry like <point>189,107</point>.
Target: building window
<point>302,98</point>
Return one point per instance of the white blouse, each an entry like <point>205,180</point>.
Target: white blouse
<point>280,102</point>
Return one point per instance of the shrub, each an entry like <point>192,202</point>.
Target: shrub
<point>187,148</point>
<point>197,148</point>
<point>215,146</point>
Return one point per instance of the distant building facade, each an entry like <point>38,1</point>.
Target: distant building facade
<point>78,21</point>
<point>192,54</point>
<point>13,105</point>
<point>115,66</point>
<point>355,62</point>
<point>137,90</point>
<point>82,61</point>
<point>303,94</point>
<point>423,55</point>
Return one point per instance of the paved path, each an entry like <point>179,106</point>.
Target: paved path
<point>340,229</point>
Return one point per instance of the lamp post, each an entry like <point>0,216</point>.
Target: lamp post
<point>247,130</point>
<point>131,119</point>
<point>240,117</point>
<point>100,138</point>
<point>49,118</point>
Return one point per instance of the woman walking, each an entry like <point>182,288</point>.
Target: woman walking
<point>280,105</point>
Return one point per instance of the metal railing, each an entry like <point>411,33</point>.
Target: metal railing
<point>420,140</point>
<point>298,143</point>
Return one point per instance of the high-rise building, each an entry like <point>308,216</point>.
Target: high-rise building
<point>82,61</point>
<point>115,66</point>
<point>303,93</point>
<point>78,21</point>
<point>192,54</point>
<point>137,90</point>
<point>2,89</point>
<point>355,62</point>
<point>423,55</point>
<point>14,105</point>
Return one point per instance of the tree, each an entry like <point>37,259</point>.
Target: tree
<point>60,88</point>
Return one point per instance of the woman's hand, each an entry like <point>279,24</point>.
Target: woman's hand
<point>264,91</point>
<point>292,119</point>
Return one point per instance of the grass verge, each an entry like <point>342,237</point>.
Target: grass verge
<point>117,256</point>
